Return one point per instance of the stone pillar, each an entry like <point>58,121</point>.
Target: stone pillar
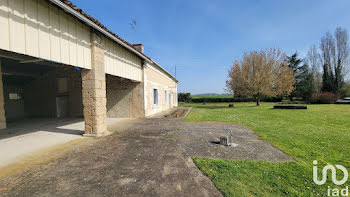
<point>2,109</point>
<point>94,90</point>
<point>137,108</point>
<point>138,98</point>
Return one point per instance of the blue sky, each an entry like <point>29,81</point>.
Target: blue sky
<point>204,37</point>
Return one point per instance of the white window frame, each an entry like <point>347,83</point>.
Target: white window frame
<point>165,97</point>
<point>155,97</point>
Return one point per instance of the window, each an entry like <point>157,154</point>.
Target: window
<point>15,96</point>
<point>165,97</point>
<point>62,85</point>
<point>155,97</point>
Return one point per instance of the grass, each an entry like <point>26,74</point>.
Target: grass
<point>320,133</point>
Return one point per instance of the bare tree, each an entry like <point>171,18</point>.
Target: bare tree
<point>335,59</point>
<point>261,73</point>
<point>313,60</point>
<point>328,53</point>
<point>342,57</point>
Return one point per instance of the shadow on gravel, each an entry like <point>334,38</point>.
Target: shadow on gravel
<point>215,142</point>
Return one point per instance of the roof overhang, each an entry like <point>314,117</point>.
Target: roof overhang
<point>70,10</point>
<point>165,71</point>
<point>90,23</point>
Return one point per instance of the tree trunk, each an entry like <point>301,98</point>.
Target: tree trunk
<point>257,101</point>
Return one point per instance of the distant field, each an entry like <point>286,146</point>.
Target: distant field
<point>213,96</point>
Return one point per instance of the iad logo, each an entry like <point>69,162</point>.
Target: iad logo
<point>335,191</point>
<point>334,174</point>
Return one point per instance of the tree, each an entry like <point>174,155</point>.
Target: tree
<point>345,91</point>
<point>261,73</point>
<point>294,62</point>
<point>328,53</point>
<point>303,77</point>
<point>304,83</point>
<point>342,57</point>
<point>335,60</point>
<point>184,97</point>
<point>313,59</point>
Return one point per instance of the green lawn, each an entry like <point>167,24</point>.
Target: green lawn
<point>320,133</point>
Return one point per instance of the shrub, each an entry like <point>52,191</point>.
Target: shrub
<point>230,100</point>
<point>324,98</point>
<point>184,97</point>
<point>291,102</point>
<point>345,91</point>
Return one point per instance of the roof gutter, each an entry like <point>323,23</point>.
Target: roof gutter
<point>92,24</point>
<point>159,66</point>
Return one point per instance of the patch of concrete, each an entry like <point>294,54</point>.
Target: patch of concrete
<point>26,138</point>
<point>42,156</point>
<point>203,139</point>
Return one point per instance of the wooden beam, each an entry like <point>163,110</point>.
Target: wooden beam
<point>31,61</point>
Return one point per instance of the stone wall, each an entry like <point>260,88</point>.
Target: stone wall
<point>2,111</point>
<point>94,90</point>
<point>40,95</point>
<point>137,101</point>
<point>14,109</point>
<point>124,98</point>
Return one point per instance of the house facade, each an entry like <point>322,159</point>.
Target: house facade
<point>57,61</point>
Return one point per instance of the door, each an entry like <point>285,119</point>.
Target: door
<point>61,106</point>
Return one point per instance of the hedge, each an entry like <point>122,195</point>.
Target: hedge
<point>231,100</point>
<point>324,98</point>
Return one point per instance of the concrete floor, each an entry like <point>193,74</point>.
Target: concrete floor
<point>25,138</point>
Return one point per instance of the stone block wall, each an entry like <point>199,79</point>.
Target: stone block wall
<point>40,95</point>
<point>137,101</point>
<point>124,98</point>
<point>94,90</point>
<point>14,109</point>
<point>2,111</point>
